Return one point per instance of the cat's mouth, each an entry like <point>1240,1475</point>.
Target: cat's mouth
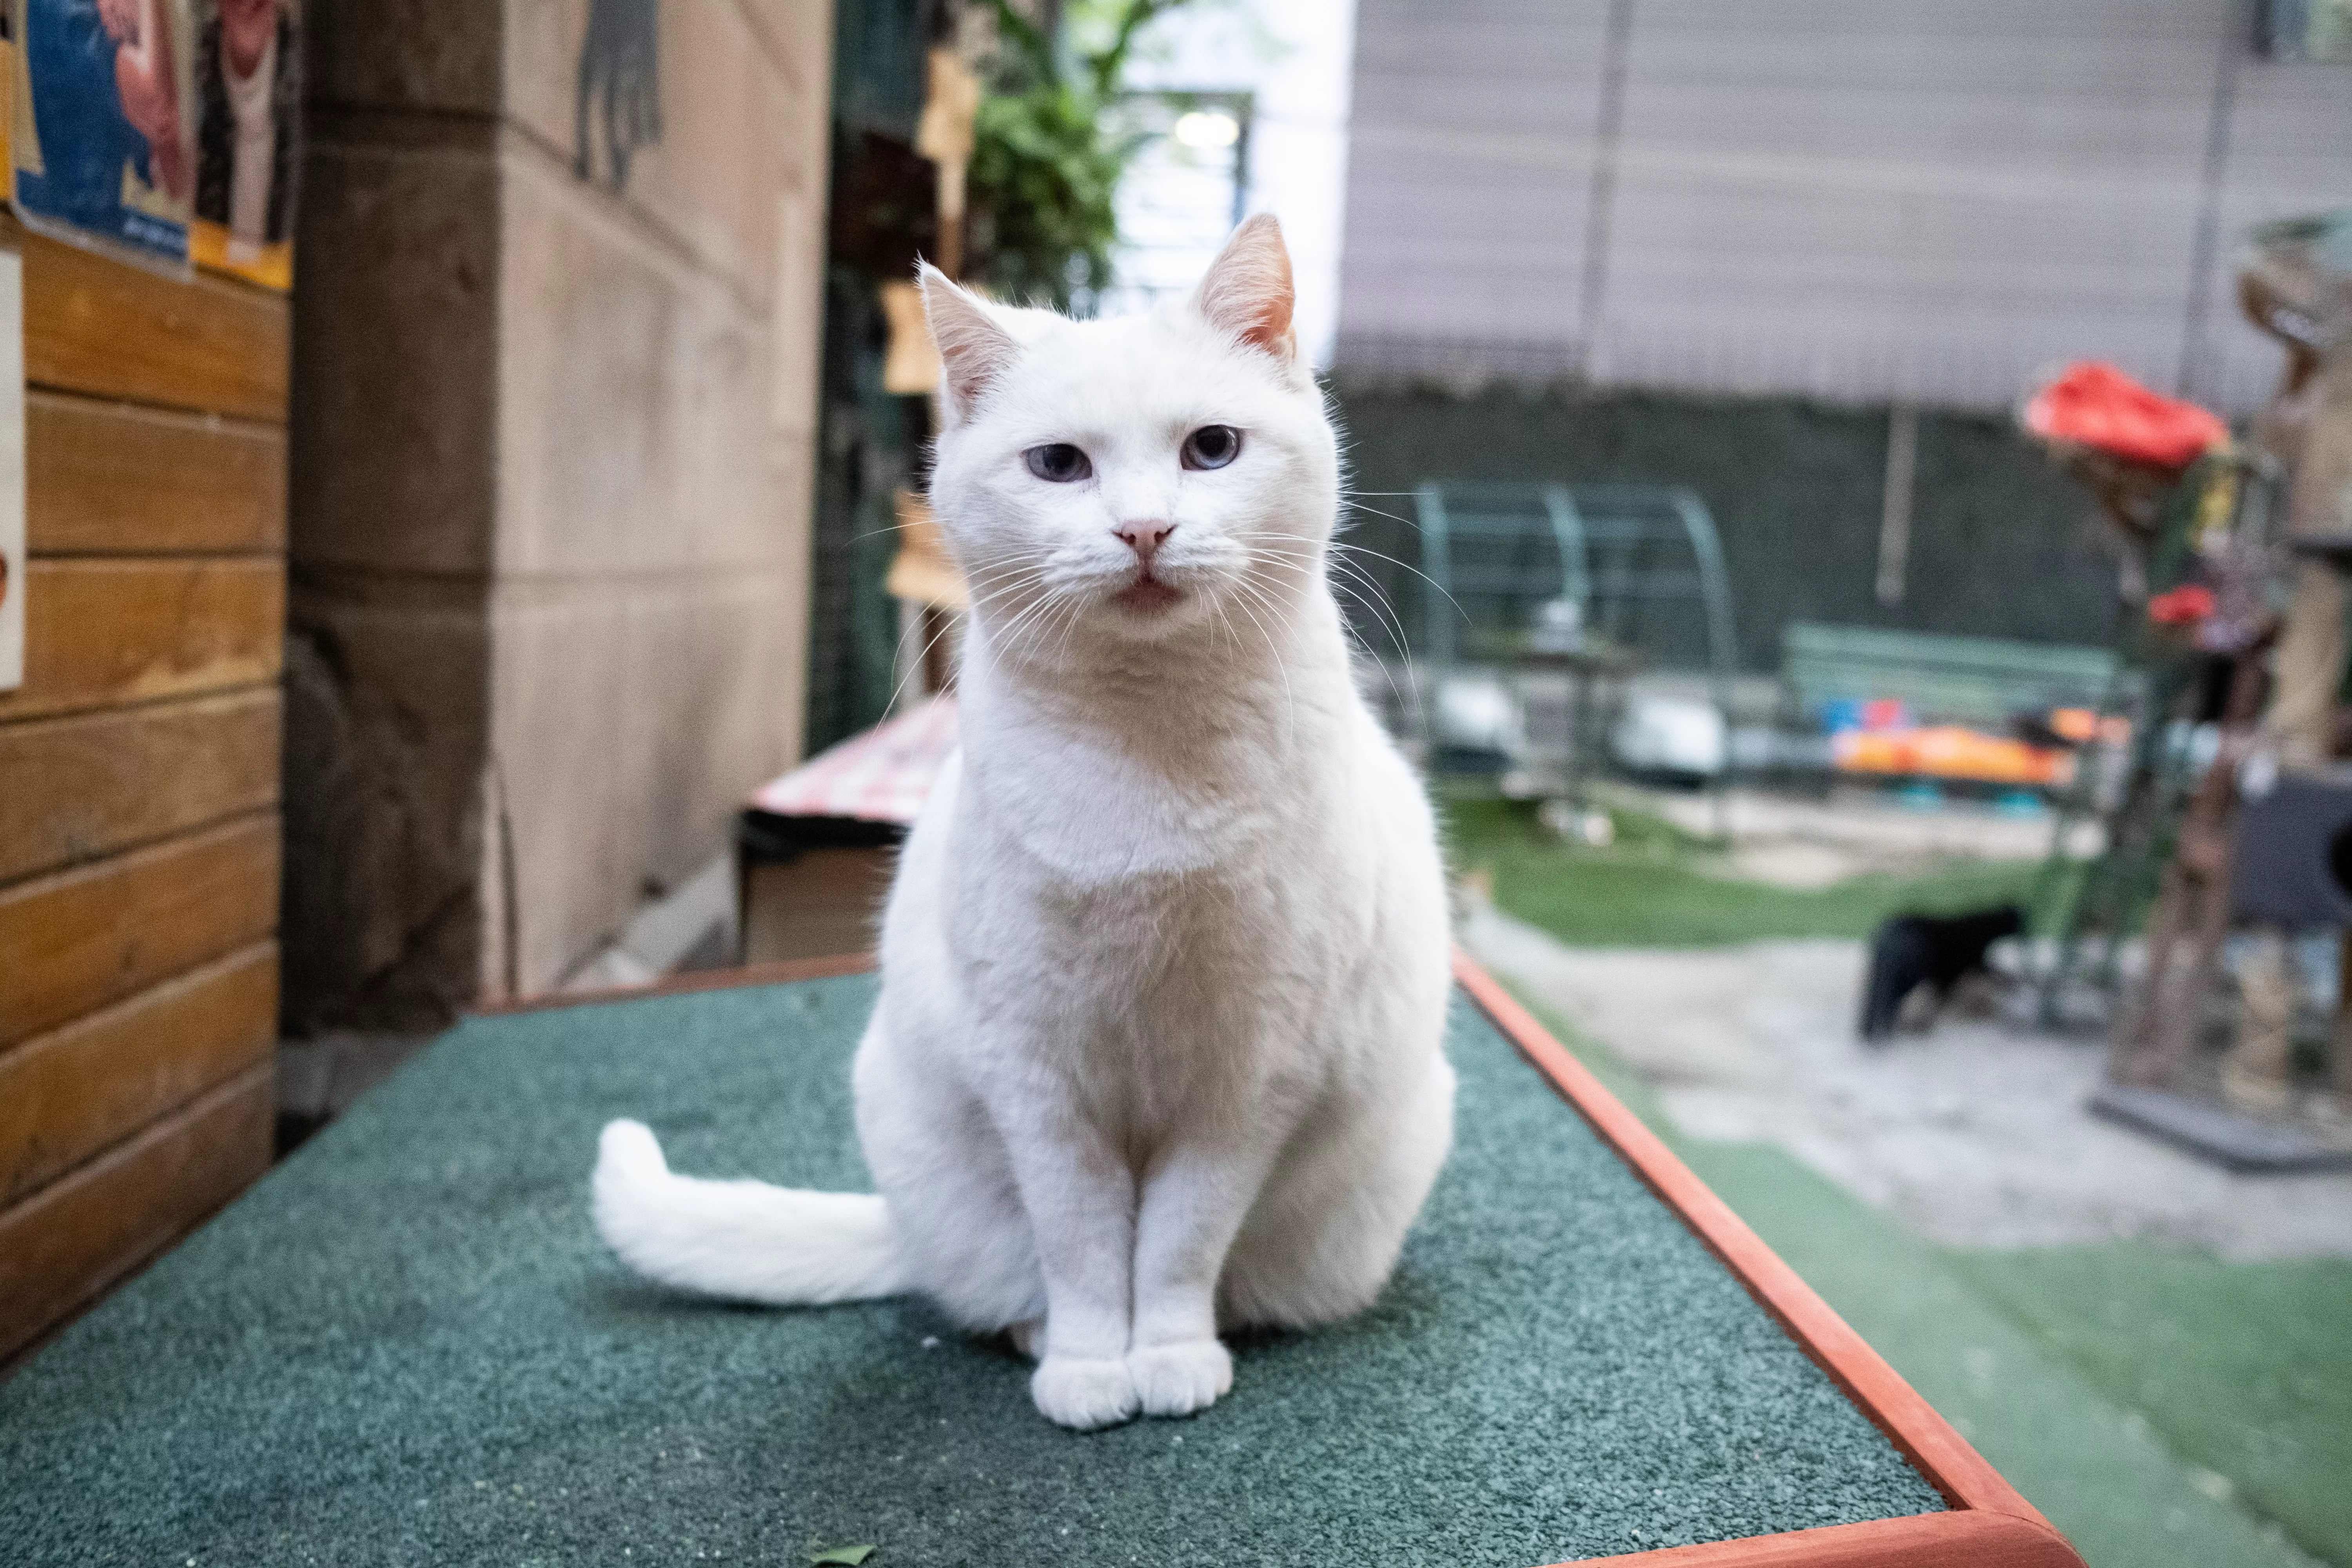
<point>1147,592</point>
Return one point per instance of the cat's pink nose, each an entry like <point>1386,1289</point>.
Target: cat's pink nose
<point>1145,538</point>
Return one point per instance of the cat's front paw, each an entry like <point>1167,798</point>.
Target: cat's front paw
<point>1083,1395</point>
<point>1179,1379</point>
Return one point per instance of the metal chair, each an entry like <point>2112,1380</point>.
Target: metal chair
<point>1570,578</point>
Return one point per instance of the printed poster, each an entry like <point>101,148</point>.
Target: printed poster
<point>249,86</point>
<point>102,145</point>
<point>7,83</point>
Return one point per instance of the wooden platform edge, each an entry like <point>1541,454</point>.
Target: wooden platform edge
<point>1975,1493</point>
<point>1968,1538</point>
<point>777,971</point>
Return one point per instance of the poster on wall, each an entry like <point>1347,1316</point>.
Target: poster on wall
<point>8,82</point>
<point>102,144</point>
<point>249,85</point>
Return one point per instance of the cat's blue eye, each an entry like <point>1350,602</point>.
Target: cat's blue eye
<point>1212,446</point>
<point>1058,462</point>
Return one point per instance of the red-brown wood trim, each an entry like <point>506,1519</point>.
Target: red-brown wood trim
<point>777,971</point>
<point>1966,1539</point>
<point>1923,1438</point>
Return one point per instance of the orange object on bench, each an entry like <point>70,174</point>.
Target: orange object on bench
<point>1949,752</point>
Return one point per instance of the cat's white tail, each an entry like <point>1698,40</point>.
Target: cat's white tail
<point>745,1241</point>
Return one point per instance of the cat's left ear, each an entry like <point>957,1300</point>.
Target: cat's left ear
<point>1247,292</point>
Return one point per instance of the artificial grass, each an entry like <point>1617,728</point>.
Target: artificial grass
<point>2052,1365</point>
<point>1656,886</point>
<point>2246,1368</point>
<point>2109,1474</point>
<point>406,1346</point>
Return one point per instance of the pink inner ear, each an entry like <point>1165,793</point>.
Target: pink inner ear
<point>1248,289</point>
<point>973,349</point>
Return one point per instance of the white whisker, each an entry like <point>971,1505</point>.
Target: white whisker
<point>1378,555</point>
<point>1356,506</point>
<point>915,665</point>
<point>1289,698</point>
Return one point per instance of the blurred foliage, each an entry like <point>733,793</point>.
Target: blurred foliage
<point>1049,151</point>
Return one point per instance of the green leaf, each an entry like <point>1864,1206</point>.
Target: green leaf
<point>839,1556</point>
<point>1047,156</point>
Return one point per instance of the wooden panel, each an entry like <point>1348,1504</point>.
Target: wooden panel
<point>114,479</point>
<point>73,943</point>
<point>100,633</point>
<point>68,1095</point>
<point>81,787</point>
<point>781,972</point>
<point>96,326</point>
<point>62,1246</point>
<point>824,902</point>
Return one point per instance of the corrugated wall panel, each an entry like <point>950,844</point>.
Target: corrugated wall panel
<point>1471,155</point>
<point>1880,200</point>
<point>2290,142</point>
<point>1926,200</point>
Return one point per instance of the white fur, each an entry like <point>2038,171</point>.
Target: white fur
<point>719,1238</point>
<point>1159,1050</point>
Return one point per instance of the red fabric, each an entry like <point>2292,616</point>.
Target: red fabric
<point>882,775</point>
<point>2095,405</point>
<point>2182,606</point>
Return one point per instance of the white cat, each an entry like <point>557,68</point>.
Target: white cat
<point>1160,1045</point>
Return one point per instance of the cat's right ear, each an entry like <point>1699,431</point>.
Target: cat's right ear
<point>1248,293</point>
<point>974,349</point>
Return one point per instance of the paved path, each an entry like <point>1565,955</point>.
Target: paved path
<point>1973,1135</point>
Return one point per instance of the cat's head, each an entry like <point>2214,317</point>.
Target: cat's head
<point>1139,479</point>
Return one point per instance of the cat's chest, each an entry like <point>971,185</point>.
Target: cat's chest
<point>1084,818</point>
<point>1231,936</point>
<point>1113,974</point>
<point>1098,864</point>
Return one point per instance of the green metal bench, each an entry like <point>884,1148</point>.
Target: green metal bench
<point>1974,681</point>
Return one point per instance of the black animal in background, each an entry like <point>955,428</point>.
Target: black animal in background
<point>1935,950</point>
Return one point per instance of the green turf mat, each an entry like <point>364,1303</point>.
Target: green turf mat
<point>406,1346</point>
<point>2242,1368</point>
<point>2097,1469</point>
<point>2041,1359</point>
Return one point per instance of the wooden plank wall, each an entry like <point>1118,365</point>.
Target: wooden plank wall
<point>138,836</point>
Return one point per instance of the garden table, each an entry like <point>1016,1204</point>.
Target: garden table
<point>407,1345</point>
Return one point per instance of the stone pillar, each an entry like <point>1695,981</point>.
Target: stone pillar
<point>551,473</point>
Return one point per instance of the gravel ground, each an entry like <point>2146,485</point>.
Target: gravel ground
<point>1972,1136</point>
